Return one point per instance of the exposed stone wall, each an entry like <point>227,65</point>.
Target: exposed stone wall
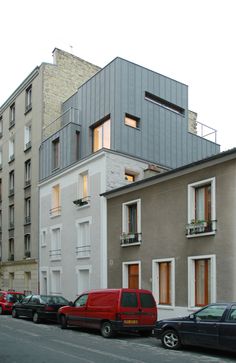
<point>60,81</point>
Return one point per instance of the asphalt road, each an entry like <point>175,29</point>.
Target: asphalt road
<point>22,341</point>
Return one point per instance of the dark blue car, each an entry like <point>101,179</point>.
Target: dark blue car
<point>214,326</point>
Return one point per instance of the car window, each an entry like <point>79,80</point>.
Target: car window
<point>26,299</point>
<point>129,299</point>
<point>211,313</point>
<point>81,301</point>
<point>147,301</point>
<point>35,300</point>
<point>232,314</point>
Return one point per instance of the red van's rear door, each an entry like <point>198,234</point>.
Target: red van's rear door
<point>148,310</point>
<point>129,308</point>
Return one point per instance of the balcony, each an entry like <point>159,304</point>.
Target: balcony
<point>196,228</point>
<point>83,251</point>
<point>55,254</point>
<point>28,145</point>
<point>11,257</point>
<point>128,239</point>
<point>27,254</point>
<point>54,212</point>
<point>27,220</point>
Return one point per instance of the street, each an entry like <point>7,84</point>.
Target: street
<point>22,341</point>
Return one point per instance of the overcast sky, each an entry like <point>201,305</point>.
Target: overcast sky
<point>190,41</point>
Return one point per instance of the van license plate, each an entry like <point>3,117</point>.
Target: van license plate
<point>131,321</point>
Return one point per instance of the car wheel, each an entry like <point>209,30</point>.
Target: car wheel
<point>106,330</point>
<point>36,319</point>
<point>14,313</point>
<point>170,339</point>
<point>63,321</point>
<point>1,310</point>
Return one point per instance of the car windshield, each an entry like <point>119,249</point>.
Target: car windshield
<point>46,299</point>
<point>14,297</point>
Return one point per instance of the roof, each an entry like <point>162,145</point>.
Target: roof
<point>228,154</point>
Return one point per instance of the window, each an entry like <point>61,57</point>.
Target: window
<point>12,115</point>
<point>101,136</point>
<point>164,103</point>
<point>11,182</point>
<point>27,246</point>
<point>83,279</point>
<point>211,313</point>
<point>56,201</point>
<point>27,281</point>
<point>56,153</point>
<point>82,300</point>
<point>132,121</point>
<point>129,177</point>
<point>201,208</point>
<point>202,283</point>
<point>11,149</point>
<point>27,210</point>
<point>77,154</point>
<point>11,216</point>
<point>131,222</point>
<point>55,252</point>
<point>28,99</point>
<point>129,299</point>
<point>0,224</point>
<point>83,248</point>
<point>55,281</point>
<point>1,126</point>
<point>43,238</point>
<point>27,172</point>
<point>0,157</point>
<point>28,136</point>
<point>163,281</point>
<point>131,275</point>
<point>11,249</point>
<point>11,280</point>
<point>0,189</point>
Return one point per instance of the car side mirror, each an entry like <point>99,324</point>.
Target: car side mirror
<point>192,317</point>
<point>71,303</point>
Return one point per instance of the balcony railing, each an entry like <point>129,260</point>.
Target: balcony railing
<point>55,211</point>
<point>27,254</point>
<point>69,116</point>
<point>83,251</point>
<point>200,227</point>
<point>55,254</point>
<point>27,220</point>
<point>127,239</point>
<point>11,257</point>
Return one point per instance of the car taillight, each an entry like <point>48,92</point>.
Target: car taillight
<point>49,308</point>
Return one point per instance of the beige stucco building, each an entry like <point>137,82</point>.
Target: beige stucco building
<point>25,119</point>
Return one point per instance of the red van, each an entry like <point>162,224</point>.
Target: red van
<point>112,310</point>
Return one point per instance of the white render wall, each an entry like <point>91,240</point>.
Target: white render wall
<point>105,170</point>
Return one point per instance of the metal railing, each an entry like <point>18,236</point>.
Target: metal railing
<point>70,115</point>
<point>130,238</point>
<point>83,251</point>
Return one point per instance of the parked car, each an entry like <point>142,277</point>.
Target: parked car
<point>39,307</point>
<point>7,299</point>
<point>112,310</point>
<point>213,326</point>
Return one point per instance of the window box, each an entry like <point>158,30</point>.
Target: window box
<point>82,201</point>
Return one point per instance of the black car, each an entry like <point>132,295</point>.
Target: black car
<point>214,326</point>
<point>39,307</point>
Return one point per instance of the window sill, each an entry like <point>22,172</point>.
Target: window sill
<point>28,109</point>
<point>201,234</point>
<point>166,307</point>
<point>130,244</point>
<point>82,257</point>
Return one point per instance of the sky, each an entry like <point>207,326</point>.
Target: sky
<point>187,40</point>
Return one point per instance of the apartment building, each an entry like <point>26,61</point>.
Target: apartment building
<point>24,120</point>
<point>124,124</point>
<point>174,233</point>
